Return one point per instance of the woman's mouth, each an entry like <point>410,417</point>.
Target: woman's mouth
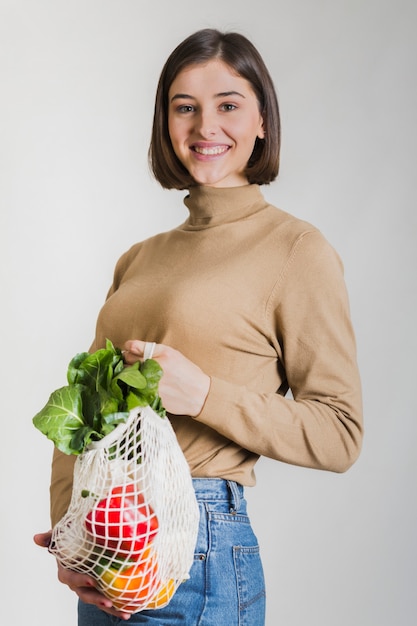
<point>210,150</point>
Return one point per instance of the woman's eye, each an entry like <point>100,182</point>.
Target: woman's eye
<point>228,107</point>
<point>185,108</point>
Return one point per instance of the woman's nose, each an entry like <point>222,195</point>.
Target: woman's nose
<point>206,124</point>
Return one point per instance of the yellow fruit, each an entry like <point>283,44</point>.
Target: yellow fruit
<point>163,596</point>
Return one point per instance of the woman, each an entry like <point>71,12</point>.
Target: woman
<point>244,302</point>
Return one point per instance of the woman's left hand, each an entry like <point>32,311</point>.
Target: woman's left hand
<point>82,584</point>
<point>183,387</point>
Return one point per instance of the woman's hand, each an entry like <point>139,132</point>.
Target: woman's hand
<point>183,387</point>
<point>82,584</point>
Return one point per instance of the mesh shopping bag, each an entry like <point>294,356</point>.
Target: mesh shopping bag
<point>133,518</point>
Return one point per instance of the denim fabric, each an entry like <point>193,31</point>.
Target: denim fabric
<point>226,585</point>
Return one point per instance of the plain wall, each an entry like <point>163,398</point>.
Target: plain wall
<point>77,86</point>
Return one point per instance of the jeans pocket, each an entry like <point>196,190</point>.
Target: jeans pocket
<point>251,585</point>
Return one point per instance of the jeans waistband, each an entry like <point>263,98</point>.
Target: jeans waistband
<point>219,489</point>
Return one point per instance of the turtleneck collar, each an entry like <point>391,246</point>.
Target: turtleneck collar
<point>215,206</point>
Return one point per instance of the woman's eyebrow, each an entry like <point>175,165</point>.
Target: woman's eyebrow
<point>226,94</point>
<point>221,94</point>
<point>181,96</point>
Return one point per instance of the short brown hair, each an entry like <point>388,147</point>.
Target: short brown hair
<point>242,56</point>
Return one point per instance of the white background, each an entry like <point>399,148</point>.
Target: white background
<point>77,85</point>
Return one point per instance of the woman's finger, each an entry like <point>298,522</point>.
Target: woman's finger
<point>43,539</point>
<point>136,349</point>
<point>84,586</point>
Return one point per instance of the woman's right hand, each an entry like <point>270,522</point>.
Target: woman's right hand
<point>183,387</point>
<point>82,584</point>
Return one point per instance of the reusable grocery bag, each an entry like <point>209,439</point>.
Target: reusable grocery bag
<point>133,518</point>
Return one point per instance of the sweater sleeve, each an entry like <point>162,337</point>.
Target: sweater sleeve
<point>321,425</point>
<point>61,484</point>
<point>63,464</point>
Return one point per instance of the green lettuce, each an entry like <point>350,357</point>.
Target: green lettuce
<point>101,392</point>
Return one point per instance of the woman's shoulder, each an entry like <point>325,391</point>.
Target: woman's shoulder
<point>297,238</point>
<point>138,247</point>
<point>280,218</point>
<point>289,228</point>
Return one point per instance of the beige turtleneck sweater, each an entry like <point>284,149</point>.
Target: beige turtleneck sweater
<point>255,297</point>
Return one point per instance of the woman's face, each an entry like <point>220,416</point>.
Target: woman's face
<point>213,122</point>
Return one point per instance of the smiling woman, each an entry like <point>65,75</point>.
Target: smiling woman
<point>224,69</point>
<point>261,309</point>
<point>214,121</point>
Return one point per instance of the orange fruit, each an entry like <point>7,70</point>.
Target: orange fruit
<point>130,587</point>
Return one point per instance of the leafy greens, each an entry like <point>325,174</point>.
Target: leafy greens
<point>101,392</point>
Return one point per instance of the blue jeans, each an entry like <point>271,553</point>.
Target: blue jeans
<point>226,585</point>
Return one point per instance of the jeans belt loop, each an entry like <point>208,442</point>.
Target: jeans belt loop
<point>235,496</point>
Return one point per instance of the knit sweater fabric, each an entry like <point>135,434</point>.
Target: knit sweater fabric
<point>256,297</point>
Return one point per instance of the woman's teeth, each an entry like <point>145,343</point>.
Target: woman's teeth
<point>210,151</point>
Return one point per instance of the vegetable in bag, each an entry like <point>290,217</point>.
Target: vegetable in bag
<point>100,393</point>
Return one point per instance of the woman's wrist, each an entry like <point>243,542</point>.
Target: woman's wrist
<point>201,394</point>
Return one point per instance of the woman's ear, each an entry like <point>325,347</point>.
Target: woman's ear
<point>261,131</point>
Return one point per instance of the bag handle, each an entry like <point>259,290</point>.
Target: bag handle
<point>148,350</point>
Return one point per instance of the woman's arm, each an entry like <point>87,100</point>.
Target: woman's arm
<point>310,327</point>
